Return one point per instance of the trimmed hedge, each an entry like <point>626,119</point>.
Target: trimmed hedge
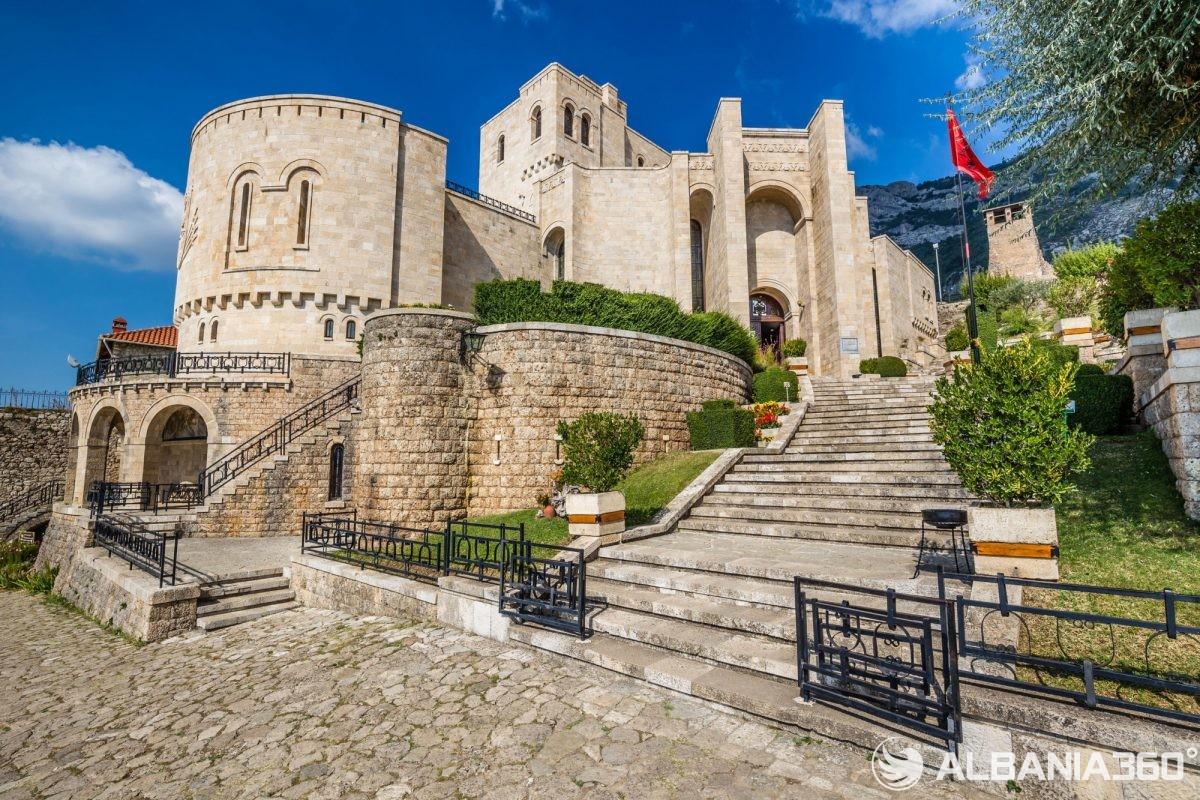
<point>522,300</point>
<point>794,348</point>
<point>768,385</point>
<point>715,405</point>
<point>884,366</point>
<point>1103,403</point>
<point>719,427</point>
<point>957,339</point>
<point>1059,354</point>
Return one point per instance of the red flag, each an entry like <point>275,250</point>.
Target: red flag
<point>964,157</point>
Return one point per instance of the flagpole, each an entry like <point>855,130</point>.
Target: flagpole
<point>972,322</point>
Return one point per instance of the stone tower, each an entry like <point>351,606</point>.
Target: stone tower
<point>1013,247</point>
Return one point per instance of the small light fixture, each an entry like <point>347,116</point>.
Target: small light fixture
<point>472,343</point>
<point>558,459</point>
<point>496,458</point>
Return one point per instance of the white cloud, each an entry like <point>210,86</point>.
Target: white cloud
<point>857,147</point>
<point>526,11</point>
<point>89,203</point>
<point>972,77</point>
<point>878,18</point>
<point>874,131</point>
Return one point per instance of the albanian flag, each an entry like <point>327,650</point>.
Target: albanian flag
<point>964,157</point>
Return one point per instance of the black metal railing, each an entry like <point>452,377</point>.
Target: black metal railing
<point>142,496</point>
<point>275,438</point>
<point>548,590</point>
<point>900,666</point>
<point>155,552</point>
<point>1095,659</point>
<point>27,398</point>
<point>172,365</point>
<point>43,494</point>
<point>490,201</point>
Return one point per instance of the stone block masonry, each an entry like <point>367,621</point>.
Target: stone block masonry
<point>33,448</point>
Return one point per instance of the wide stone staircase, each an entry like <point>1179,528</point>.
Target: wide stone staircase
<point>708,609</point>
<point>246,597</point>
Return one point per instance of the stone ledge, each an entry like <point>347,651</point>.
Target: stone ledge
<point>435,312</point>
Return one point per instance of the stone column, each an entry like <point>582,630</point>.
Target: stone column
<point>410,443</point>
<point>1145,359</point>
<point>1172,403</point>
<point>1077,332</point>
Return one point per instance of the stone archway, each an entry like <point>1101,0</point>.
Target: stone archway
<point>176,445</point>
<point>768,317</point>
<point>105,448</point>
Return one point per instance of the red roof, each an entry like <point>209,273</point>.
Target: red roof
<point>162,336</point>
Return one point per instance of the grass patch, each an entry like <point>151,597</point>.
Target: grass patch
<point>651,486</point>
<point>541,531</point>
<point>1124,528</point>
<point>17,572</point>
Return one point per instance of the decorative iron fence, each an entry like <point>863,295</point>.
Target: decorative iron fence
<point>490,201</point>
<point>172,365</point>
<point>550,591</point>
<point>41,495</point>
<point>275,438</point>
<point>1095,659</point>
<point>142,496</point>
<point>27,398</point>
<point>898,666</point>
<point>143,548</point>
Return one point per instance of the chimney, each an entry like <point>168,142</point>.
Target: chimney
<point>119,325</point>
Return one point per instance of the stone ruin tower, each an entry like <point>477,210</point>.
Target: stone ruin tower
<point>1013,247</point>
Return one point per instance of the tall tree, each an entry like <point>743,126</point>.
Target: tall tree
<point>1103,90</point>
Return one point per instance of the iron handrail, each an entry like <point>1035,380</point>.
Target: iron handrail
<point>174,364</point>
<point>135,543</point>
<point>28,398</point>
<point>275,438</point>
<point>40,495</point>
<point>490,201</point>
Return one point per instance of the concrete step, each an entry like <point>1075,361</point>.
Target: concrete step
<point>854,473</point>
<point>728,496</point>
<point>816,532</point>
<point>233,588</point>
<point>857,435</point>
<point>901,520</point>
<point>759,593</point>
<point>857,416</point>
<point>771,483</point>
<point>224,620</point>
<point>871,446</point>
<point>244,601</point>
<point>893,459</point>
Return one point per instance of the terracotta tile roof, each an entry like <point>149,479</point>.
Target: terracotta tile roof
<point>162,336</point>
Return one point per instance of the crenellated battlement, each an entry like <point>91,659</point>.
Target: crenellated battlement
<point>267,107</point>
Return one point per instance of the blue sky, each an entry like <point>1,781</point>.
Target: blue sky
<point>101,97</point>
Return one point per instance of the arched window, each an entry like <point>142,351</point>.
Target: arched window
<point>243,236</point>
<point>212,336</point>
<point>585,130</point>
<point>535,124</point>
<point>568,120</point>
<point>697,267</point>
<point>641,161</point>
<point>200,338</point>
<point>351,329</point>
<point>302,217</point>
<point>560,261</point>
<point>336,457</point>
<point>328,329</point>
<point>500,149</point>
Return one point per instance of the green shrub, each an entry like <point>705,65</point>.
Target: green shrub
<point>1123,291</point>
<point>1026,295</point>
<point>598,449</point>
<point>1074,297</point>
<point>1088,370</point>
<point>1058,354</point>
<point>985,285</point>
<point>1001,427</point>
<point>1086,262</point>
<point>884,366</point>
<point>769,385</point>
<point>956,338</point>
<point>721,427</point>
<point>795,348</point>
<point>714,405</point>
<point>1016,321</point>
<point>987,330</point>
<point>16,560</point>
<point>1103,403</point>
<point>522,300</point>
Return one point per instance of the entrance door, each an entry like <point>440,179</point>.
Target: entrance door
<point>766,317</point>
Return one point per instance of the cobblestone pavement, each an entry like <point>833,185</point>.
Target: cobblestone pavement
<point>319,704</point>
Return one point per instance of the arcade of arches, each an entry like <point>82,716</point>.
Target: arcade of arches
<point>174,450</point>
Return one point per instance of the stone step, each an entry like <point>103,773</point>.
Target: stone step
<point>856,416</point>
<point>729,496</point>
<point>871,446</point>
<point>887,537</point>
<point>778,559</point>
<point>901,520</point>
<point>871,467</point>
<point>892,459</point>
<point>274,579</point>
<point>224,620</point>
<point>802,472</point>
<point>767,483</point>
<point>244,601</point>
<point>851,435</point>
<point>759,593</point>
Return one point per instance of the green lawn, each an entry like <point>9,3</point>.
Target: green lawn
<point>1124,528</point>
<point>647,490</point>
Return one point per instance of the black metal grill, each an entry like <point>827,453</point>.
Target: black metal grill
<point>143,548</point>
<point>490,201</point>
<point>26,398</point>
<point>550,591</point>
<point>41,495</point>
<point>174,364</point>
<point>142,496</point>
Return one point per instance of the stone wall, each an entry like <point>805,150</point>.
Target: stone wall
<point>33,448</point>
<point>482,244</point>
<point>1013,247</point>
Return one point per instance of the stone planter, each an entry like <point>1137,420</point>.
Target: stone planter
<point>1181,339</point>
<point>1019,542</point>
<point>798,364</point>
<point>599,516</point>
<point>1077,332</point>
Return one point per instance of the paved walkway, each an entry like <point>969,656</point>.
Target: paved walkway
<point>316,704</point>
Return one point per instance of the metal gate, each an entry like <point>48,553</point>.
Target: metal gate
<point>894,658</point>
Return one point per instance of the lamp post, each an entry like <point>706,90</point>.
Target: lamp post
<point>937,261</point>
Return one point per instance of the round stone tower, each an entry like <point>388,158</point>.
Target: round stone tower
<point>289,218</point>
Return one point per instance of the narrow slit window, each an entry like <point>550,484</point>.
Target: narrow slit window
<point>302,220</point>
<point>585,130</point>
<point>500,150</point>
<point>328,329</point>
<point>244,216</point>
<point>336,458</point>
<point>200,338</point>
<point>535,124</point>
<point>569,121</point>
<point>351,329</point>
<point>212,336</point>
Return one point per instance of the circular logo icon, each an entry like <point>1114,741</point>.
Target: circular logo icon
<point>895,767</point>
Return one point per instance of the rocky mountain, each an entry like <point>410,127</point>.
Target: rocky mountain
<point>916,215</point>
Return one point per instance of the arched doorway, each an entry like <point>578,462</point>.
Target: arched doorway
<point>555,252</point>
<point>176,446</point>
<point>105,449</point>
<point>767,317</point>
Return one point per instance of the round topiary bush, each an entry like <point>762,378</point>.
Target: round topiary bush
<point>1000,424</point>
<point>769,385</point>
<point>885,366</point>
<point>598,449</point>
<point>794,348</point>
